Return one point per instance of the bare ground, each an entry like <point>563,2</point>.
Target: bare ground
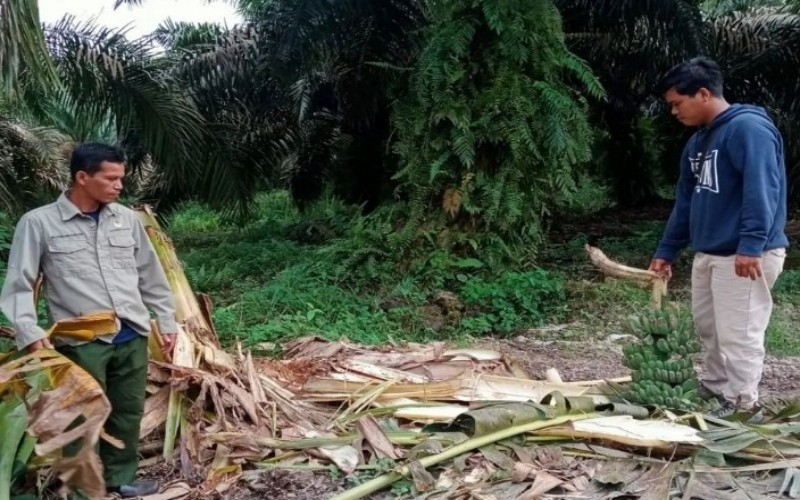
<point>602,359</point>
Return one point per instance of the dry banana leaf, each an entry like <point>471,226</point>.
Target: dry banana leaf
<point>629,431</point>
<point>74,394</point>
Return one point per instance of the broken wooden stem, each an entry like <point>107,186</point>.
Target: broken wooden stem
<point>617,270</point>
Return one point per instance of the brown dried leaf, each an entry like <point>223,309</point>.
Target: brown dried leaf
<point>345,457</point>
<point>75,393</point>
<point>523,471</point>
<point>223,478</point>
<point>216,358</point>
<point>660,485</point>
<point>497,458</point>
<point>312,347</point>
<point>221,474</point>
<point>543,483</point>
<point>155,412</point>
<point>256,388</point>
<point>173,492</point>
<point>618,472</point>
<point>654,482</point>
<point>245,400</point>
<point>373,433</point>
<point>206,307</point>
<point>83,471</point>
<point>451,201</point>
<point>523,454</point>
<point>423,480</point>
<point>15,368</point>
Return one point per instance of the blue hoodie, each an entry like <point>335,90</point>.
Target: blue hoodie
<point>735,203</point>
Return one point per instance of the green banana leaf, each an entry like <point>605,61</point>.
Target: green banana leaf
<point>14,416</point>
<point>771,439</point>
<point>493,417</point>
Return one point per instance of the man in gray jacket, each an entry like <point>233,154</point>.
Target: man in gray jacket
<point>95,256</point>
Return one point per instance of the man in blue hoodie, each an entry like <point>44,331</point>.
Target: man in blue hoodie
<point>730,208</point>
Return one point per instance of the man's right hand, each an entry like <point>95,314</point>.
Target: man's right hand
<point>40,344</point>
<point>661,267</point>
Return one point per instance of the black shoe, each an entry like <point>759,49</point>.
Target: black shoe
<point>138,488</point>
<point>754,415</point>
<point>726,409</point>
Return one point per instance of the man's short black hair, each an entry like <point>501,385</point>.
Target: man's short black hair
<point>688,77</point>
<point>89,156</point>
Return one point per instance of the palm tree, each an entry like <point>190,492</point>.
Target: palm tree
<point>629,44</point>
<point>106,88</point>
<point>758,46</point>
<point>310,98</point>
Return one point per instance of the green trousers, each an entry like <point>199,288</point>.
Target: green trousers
<point>121,370</point>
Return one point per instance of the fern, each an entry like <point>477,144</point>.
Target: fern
<point>493,112</point>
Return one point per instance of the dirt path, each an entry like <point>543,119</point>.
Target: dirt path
<point>603,359</point>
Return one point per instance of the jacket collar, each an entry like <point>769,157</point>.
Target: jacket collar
<point>69,210</point>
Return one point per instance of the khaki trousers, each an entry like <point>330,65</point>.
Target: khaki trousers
<point>731,315</point>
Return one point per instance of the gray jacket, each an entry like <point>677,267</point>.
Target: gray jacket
<point>87,267</point>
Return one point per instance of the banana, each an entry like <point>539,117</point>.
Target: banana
<point>673,319</point>
<point>663,326</point>
<point>635,324</point>
<point>649,326</point>
<point>689,385</point>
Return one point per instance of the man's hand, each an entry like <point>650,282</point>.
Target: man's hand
<point>748,267</point>
<point>168,342</point>
<point>661,267</point>
<point>40,344</point>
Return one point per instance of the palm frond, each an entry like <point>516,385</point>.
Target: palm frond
<point>181,35</point>
<point>22,44</point>
<point>32,164</point>
<point>106,73</point>
<point>717,8</point>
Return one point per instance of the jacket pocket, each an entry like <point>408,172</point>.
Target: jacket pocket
<point>68,257</point>
<point>122,251</point>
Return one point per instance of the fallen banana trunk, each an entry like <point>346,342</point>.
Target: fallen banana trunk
<point>471,388</point>
<point>617,270</point>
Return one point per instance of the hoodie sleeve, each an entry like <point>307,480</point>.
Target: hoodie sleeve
<point>754,148</point>
<point>676,234</point>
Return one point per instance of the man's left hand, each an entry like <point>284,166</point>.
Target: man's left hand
<point>168,342</point>
<point>748,267</point>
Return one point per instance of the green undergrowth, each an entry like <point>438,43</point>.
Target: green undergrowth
<point>333,272</point>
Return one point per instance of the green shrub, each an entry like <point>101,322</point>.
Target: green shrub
<point>513,301</point>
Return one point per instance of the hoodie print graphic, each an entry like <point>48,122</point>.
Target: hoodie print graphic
<point>706,174</point>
